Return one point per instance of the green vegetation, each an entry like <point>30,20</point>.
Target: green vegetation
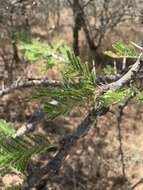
<point>121,50</point>
<point>15,152</point>
<point>36,50</point>
<point>79,88</point>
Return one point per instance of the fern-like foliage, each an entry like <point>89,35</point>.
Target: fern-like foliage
<point>78,89</point>
<point>115,97</point>
<point>59,102</point>
<point>139,97</point>
<point>121,50</point>
<point>108,70</point>
<point>15,152</point>
<point>79,84</point>
<point>6,129</point>
<point>36,50</point>
<point>75,71</point>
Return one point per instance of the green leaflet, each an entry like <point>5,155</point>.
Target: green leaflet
<point>58,102</point>
<point>36,50</point>
<point>6,128</point>
<point>78,89</point>
<point>114,97</point>
<point>15,152</point>
<point>121,50</point>
<point>79,85</point>
<point>108,70</point>
<point>139,97</point>
<point>76,71</point>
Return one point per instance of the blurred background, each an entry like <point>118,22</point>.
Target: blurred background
<point>89,27</point>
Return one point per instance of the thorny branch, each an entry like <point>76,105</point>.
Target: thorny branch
<point>124,79</point>
<point>50,83</point>
<point>26,84</point>
<point>39,114</point>
<point>82,129</point>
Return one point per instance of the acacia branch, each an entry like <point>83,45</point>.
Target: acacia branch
<point>125,78</point>
<point>30,83</point>
<point>50,83</point>
<point>39,114</point>
<point>82,129</point>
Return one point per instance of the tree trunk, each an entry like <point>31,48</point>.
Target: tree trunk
<point>77,26</point>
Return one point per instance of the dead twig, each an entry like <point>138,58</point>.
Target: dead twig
<point>44,82</point>
<point>30,83</point>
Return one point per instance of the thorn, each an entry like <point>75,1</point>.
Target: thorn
<point>3,85</point>
<point>18,80</point>
<point>124,63</point>
<point>137,46</point>
<point>115,67</point>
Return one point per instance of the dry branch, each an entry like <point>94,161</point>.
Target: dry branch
<point>30,83</point>
<point>49,83</point>
<point>124,79</point>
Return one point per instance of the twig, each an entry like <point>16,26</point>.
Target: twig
<point>17,85</point>
<point>30,83</point>
<point>124,79</point>
<point>124,63</point>
<point>137,46</point>
<point>138,183</point>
